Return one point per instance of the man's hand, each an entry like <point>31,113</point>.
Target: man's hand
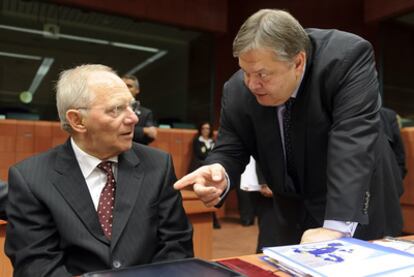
<point>320,234</point>
<point>151,132</point>
<point>266,191</point>
<point>208,183</point>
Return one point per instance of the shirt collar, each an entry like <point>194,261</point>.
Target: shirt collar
<point>87,163</point>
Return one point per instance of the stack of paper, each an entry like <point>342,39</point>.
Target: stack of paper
<point>342,257</point>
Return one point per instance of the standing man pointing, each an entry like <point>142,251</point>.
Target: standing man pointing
<point>305,105</point>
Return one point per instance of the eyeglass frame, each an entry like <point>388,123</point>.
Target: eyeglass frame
<point>116,110</point>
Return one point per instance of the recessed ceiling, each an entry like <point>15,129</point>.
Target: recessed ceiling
<point>62,37</point>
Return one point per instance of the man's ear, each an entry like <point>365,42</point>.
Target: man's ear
<point>76,120</point>
<point>299,62</point>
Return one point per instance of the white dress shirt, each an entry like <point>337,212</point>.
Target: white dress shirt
<point>94,177</point>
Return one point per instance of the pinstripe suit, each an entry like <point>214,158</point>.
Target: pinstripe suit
<point>53,227</point>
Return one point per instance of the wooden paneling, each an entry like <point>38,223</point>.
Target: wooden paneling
<point>58,135</point>
<point>7,146</point>
<point>177,142</point>
<point>208,15</point>
<point>6,269</point>
<point>407,199</point>
<point>201,219</point>
<point>376,10</point>
<point>42,136</point>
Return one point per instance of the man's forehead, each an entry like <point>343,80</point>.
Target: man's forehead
<point>104,78</point>
<point>252,67</point>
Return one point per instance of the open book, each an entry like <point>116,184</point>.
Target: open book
<point>342,257</point>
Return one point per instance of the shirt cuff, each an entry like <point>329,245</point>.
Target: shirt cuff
<point>345,227</point>
<point>224,194</point>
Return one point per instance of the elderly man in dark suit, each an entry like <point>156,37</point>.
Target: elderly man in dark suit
<point>305,105</point>
<point>99,201</point>
<point>145,131</point>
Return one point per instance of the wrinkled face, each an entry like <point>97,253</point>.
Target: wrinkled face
<point>131,86</point>
<point>205,130</point>
<point>271,81</point>
<point>109,121</point>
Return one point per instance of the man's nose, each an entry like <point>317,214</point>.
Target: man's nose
<point>131,117</point>
<point>252,83</point>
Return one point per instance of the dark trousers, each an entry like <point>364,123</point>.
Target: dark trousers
<point>246,207</point>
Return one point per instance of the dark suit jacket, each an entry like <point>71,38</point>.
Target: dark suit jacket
<point>53,227</point>
<point>344,164</point>
<point>146,119</point>
<point>392,131</point>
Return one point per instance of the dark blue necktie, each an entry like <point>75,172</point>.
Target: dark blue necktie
<point>287,123</point>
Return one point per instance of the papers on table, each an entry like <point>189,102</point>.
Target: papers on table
<point>397,243</point>
<point>342,257</point>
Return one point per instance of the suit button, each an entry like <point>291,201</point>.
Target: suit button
<point>116,264</point>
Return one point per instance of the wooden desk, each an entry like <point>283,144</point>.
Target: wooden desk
<point>201,218</point>
<point>6,268</point>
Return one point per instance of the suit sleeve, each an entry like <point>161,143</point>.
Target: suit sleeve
<point>32,239</point>
<point>354,132</point>
<point>229,150</point>
<point>397,145</point>
<point>175,231</point>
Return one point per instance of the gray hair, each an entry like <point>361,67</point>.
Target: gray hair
<point>72,90</point>
<point>274,29</point>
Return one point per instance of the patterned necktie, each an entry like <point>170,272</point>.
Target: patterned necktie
<point>287,138</point>
<point>107,199</point>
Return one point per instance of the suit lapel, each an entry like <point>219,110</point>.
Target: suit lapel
<point>71,184</point>
<point>299,130</point>
<point>129,180</point>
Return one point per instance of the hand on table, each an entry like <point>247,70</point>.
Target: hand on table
<point>320,234</point>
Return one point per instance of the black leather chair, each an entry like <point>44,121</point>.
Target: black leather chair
<point>3,199</point>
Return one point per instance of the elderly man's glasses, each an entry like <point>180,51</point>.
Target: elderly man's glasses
<point>117,110</point>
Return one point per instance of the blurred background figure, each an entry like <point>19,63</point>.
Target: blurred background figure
<point>392,127</point>
<point>203,143</point>
<point>145,130</point>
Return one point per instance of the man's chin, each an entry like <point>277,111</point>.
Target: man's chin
<point>266,102</point>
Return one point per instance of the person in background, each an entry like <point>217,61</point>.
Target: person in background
<point>203,143</point>
<point>305,104</point>
<point>391,126</point>
<point>145,130</point>
<point>99,201</point>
